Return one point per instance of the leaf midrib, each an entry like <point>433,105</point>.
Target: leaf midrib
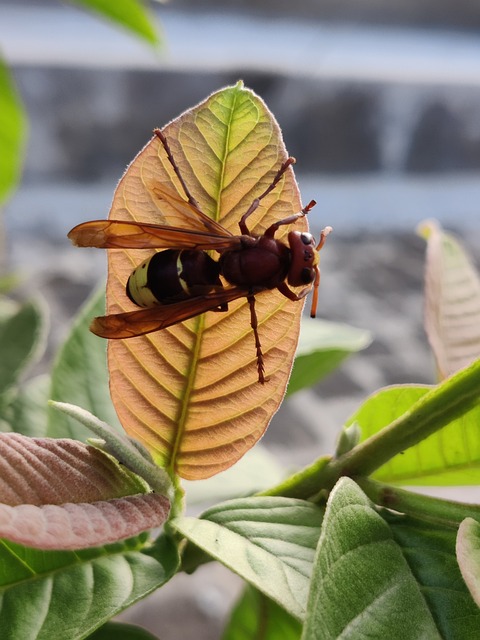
<point>200,321</point>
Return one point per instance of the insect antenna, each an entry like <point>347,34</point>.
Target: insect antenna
<point>316,284</point>
<point>323,236</point>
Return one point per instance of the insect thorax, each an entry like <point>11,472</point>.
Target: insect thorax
<point>263,264</point>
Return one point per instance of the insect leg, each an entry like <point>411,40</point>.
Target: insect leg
<point>290,220</point>
<point>242,224</point>
<point>258,346</point>
<point>168,151</point>
<point>291,295</point>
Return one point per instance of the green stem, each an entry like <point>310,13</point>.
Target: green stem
<point>303,484</point>
<point>438,510</point>
<point>437,408</point>
<point>432,412</point>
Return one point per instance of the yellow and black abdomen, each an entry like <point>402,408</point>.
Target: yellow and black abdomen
<point>172,275</point>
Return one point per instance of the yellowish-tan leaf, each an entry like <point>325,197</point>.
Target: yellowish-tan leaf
<point>190,392</point>
<point>452,301</point>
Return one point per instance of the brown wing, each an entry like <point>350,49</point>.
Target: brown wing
<point>115,234</point>
<point>187,214</point>
<point>138,323</point>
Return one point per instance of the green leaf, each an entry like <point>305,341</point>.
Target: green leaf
<point>21,339</point>
<point>9,281</point>
<point>191,391</point>
<point>5,426</point>
<point>468,554</point>
<point>129,14</point>
<point>362,585</point>
<point>12,133</point>
<point>429,550</point>
<point>27,411</point>
<point>121,631</point>
<point>450,456</point>
<point>321,348</point>
<point>256,616</point>
<point>269,542</point>
<point>80,375</point>
<point>348,438</point>
<point>59,595</point>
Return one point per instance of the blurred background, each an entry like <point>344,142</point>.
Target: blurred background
<point>380,104</point>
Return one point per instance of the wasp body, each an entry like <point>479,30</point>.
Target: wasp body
<point>183,281</point>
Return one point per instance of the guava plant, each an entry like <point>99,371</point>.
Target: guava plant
<point>340,548</point>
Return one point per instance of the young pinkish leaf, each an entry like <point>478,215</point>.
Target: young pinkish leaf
<point>452,301</point>
<point>78,526</point>
<point>132,454</point>
<point>63,494</point>
<point>43,471</point>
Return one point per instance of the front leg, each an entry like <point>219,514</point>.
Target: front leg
<point>291,295</point>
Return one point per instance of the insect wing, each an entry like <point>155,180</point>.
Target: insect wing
<point>116,234</point>
<point>186,214</point>
<point>138,323</point>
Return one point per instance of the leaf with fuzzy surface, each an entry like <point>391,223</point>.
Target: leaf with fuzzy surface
<point>62,494</point>
<point>256,616</point>
<point>452,301</point>
<point>190,392</point>
<point>80,375</point>
<point>321,348</point>
<point>450,456</point>
<point>468,554</point>
<point>96,583</point>
<point>121,631</point>
<point>361,585</point>
<point>22,333</point>
<point>269,542</point>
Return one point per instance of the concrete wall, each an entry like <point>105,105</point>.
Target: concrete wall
<point>332,127</point>
<point>443,13</point>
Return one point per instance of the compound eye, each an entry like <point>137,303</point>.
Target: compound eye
<point>307,275</point>
<point>307,238</point>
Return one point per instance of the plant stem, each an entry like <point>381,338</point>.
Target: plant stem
<point>445,512</point>
<point>302,484</point>
<point>454,397</point>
